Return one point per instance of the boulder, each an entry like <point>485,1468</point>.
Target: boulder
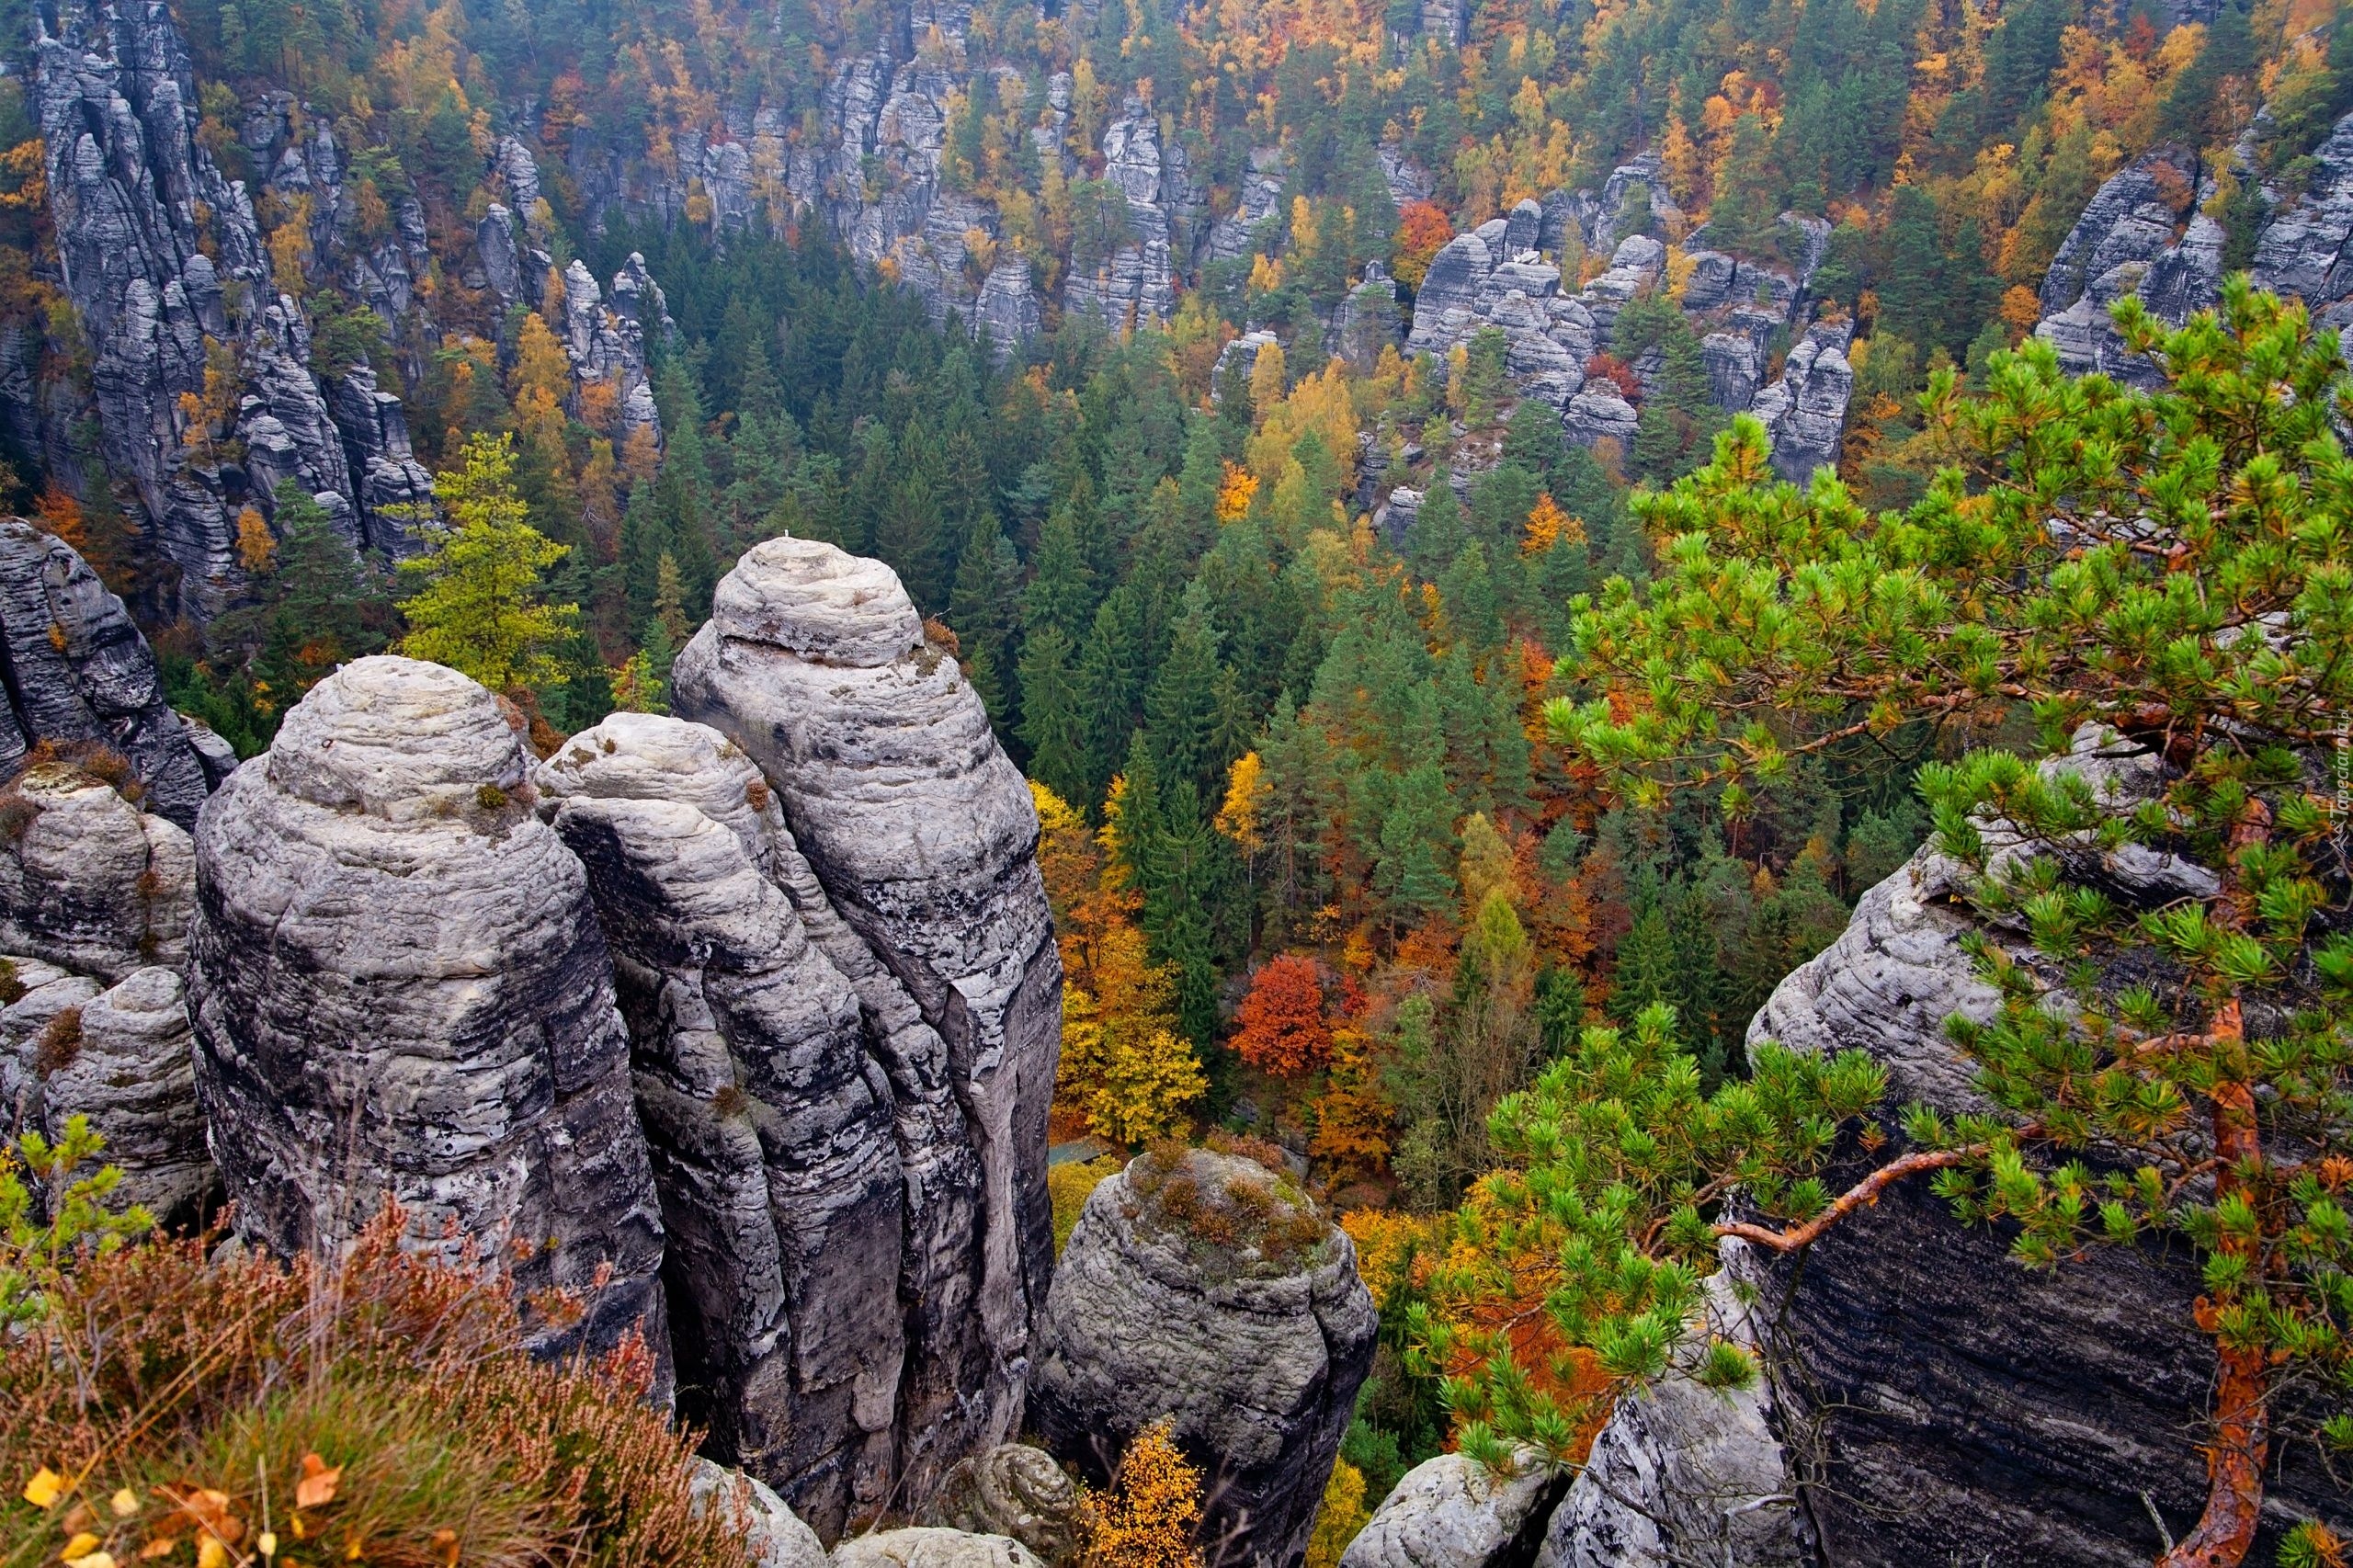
<point>918,839</point>
<point>1012,1490</point>
<point>924,1548</point>
<point>768,1123</point>
<point>88,882</point>
<point>1452,1512</point>
<point>1206,1289</point>
<point>127,1064</point>
<point>778,1538</point>
<point>401,993</point>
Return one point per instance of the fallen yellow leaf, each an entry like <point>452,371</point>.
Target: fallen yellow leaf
<point>267,1543</point>
<point>161,1547</point>
<point>446,1543</point>
<point>316,1489</point>
<point>80,1546</point>
<point>94,1559</point>
<point>45,1488</point>
<point>210,1552</point>
<point>124,1503</point>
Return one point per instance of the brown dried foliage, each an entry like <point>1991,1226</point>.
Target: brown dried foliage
<point>181,1397</point>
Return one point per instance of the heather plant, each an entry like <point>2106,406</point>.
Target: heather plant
<point>2174,569</point>
<point>161,1404</point>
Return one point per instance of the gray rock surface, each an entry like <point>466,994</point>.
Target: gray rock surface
<point>1012,1490</point>
<point>80,674</point>
<point>164,262</point>
<point>1805,411</point>
<point>922,888</point>
<point>2141,234</point>
<point>778,1538</point>
<point>1451,1512</point>
<point>88,882</point>
<point>399,992</point>
<point>925,1548</point>
<point>769,1124</point>
<point>1211,1291</point>
<point>127,1064</point>
<point>2306,248</point>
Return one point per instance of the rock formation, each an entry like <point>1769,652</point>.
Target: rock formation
<point>924,1548</point>
<point>2141,234</point>
<point>1208,1290</point>
<point>81,677</point>
<point>1805,411</point>
<point>1012,1490</point>
<point>88,882</point>
<point>778,1538</point>
<point>1450,1512</point>
<point>164,261</point>
<point>770,1126</point>
<point>2306,248</point>
<point>920,837</point>
<point>123,1059</point>
<point>399,992</point>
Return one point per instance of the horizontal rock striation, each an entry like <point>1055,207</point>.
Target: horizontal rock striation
<point>768,1121</point>
<point>1206,1289</point>
<point>400,993</point>
<point>916,877</point>
<point>88,882</point>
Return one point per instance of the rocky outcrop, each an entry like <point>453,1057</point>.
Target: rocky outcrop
<point>1012,1490</point>
<point>1137,282</point>
<point>88,882</point>
<point>1451,1512</point>
<point>608,342</point>
<point>769,1124</point>
<point>2306,248</point>
<point>122,1059</point>
<point>922,889</point>
<point>163,259</point>
<point>1206,1289</point>
<point>2141,234</point>
<point>1805,411</point>
<point>400,993</point>
<point>778,1538</point>
<point>80,675</point>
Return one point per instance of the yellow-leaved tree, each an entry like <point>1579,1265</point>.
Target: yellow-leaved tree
<point>480,607</point>
<point>1146,1519</point>
<point>1124,1065</point>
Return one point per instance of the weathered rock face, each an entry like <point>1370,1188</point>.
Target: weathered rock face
<point>1137,283</point>
<point>778,1538</point>
<point>152,282</point>
<point>921,887</point>
<point>2141,234</point>
<point>125,1061</point>
<point>769,1124</point>
<point>81,674</point>
<point>1805,411</point>
<point>1012,1490</point>
<point>399,992</point>
<point>88,882</point>
<point>2306,248</point>
<point>1209,1291</point>
<point>1450,1512</point>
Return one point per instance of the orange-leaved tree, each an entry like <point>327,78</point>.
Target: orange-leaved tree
<point>1283,1030</point>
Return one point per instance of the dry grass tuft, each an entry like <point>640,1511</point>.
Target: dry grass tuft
<point>191,1408</point>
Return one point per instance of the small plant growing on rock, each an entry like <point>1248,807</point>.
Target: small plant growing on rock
<point>491,798</point>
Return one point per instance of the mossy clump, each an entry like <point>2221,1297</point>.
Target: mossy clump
<point>1233,1216</point>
